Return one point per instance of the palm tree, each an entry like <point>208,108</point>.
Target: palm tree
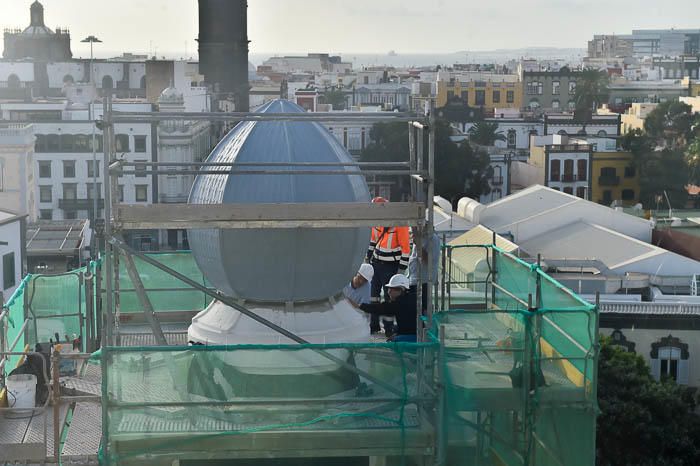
<point>485,133</point>
<point>591,92</point>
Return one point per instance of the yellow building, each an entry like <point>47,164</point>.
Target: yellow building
<point>614,178</point>
<point>487,94</point>
<point>694,89</point>
<point>634,117</point>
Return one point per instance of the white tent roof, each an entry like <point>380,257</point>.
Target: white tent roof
<point>620,253</point>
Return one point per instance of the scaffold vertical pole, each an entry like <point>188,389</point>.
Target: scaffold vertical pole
<point>441,415</point>
<point>108,317</point>
<point>430,228</point>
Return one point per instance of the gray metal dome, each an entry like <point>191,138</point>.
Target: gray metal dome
<point>279,265</point>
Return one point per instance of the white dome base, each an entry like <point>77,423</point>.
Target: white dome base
<point>319,323</point>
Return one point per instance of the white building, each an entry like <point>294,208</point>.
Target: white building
<point>12,252</point>
<point>516,131</point>
<point>17,178</point>
<point>63,159</point>
<point>390,95</point>
<point>179,141</point>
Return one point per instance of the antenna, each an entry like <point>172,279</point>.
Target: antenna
<point>670,210</point>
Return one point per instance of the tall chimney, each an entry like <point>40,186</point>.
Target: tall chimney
<point>223,49</point>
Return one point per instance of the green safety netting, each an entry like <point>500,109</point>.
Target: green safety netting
<point>166,293</point>
<point>520,373</point>
<point>209,403</point>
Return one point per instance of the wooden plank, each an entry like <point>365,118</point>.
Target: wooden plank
<point>293,215</point>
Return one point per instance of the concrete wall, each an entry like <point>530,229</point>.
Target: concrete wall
<point>11,233</point>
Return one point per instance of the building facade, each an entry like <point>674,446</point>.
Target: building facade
<point>564,165</point>
<point>12,252</point>
<point>550,90</point>
<point>487,94</point>
<point>17,178</point>
<point>615,178</point>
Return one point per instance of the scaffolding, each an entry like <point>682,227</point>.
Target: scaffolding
<point>507,380</point>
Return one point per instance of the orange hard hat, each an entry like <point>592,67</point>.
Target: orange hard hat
<point>379,200</point>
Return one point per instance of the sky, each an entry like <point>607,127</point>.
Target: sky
<point>169,27</point>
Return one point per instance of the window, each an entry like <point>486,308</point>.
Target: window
<point>70,214</point>
<point>572,105</point>
<point>496,97</point>
<point>140,167</point>
<point>602,133</point>
<point>70,191</point>
<point>582,169</point>
<point>45,169</point>
<point>13,82</point>
<point>450,95</point>
<point>139,143</point>
<point>554,170</point>
<point>608,172</point>
<point>607,197</point>
<point>45,194</point>
<point>510,97</point>
<point>562,132</point>
<point>534,103</point>
<point>53,143</point>
<point>480,97</point>
<point>465,96</point>
<point>568,170</point>
<point>628,194</point>
<point>555,104</point>
<point>107,82</point>
<point>69,168</point>
<point>141,193</point>
<point>512,139</point>
<point>82,143</point>
<point>555,87</point>
<point>120,193</point>
<point>66,143</point>
<point>91,189</point>
<point>122,143</point>
<point>630,172</point>
<point>569,190</point>
<point>581,192</point>
<point>534,88</point>
<point>46,214</point>
<point>91,172</point>
<point>40,145</point>
<point>669,359</point>
<point>8,271</point>
<point>572,87</point>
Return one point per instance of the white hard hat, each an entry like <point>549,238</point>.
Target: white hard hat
<point>367,271</point>
<point>398,281</point>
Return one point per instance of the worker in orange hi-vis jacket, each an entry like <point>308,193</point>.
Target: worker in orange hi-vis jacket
<point>389,250</point>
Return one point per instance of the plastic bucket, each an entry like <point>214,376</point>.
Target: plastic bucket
<point>21,391</point>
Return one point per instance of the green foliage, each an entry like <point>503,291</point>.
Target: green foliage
<point>334,96</point>
<point>485,133</point>
<point>670,123</point>
<point>642,422</point>
<point>591,92</point>
<point>665,170</point>
<point>459,171</point>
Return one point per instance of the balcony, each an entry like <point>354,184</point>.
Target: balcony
<point>582,177</point>
<point>80,204</point>
<point>568,178</point>
<point>554,177</point>
<point>497,181</point>
<point>608,180</point>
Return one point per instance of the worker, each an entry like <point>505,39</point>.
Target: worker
<point>432,245</point>
<point>358,290</point>
<point>401,305</point>
<point>388,253</point>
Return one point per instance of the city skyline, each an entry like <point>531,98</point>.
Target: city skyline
<point>169,27</point>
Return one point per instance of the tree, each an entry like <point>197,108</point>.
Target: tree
<point>664,171</point>
<point>334,96</point>
<point>459,171</point>
<point>670,124</point>
<point>485,133</point>
<point>591,92</point>
<point>642,422</point>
